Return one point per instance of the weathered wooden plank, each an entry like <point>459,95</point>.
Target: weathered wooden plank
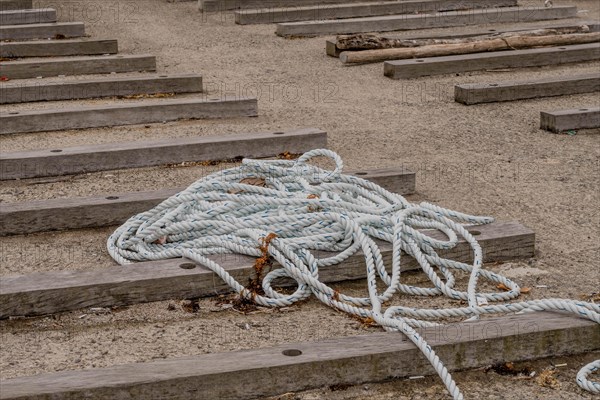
<point>422,21</point>
<point>566,120</point>
<point>42,31</point>
<point>19,91</point>
<point>74,160</point>
<point>476,93</point>
<point>113,209</point>
<point>58,48</point>
<point>23,69</point>
<point>291,367</point>
<point>15,4</point>
<point>130,113</point>
<point>403,69</point>
<point>222,5</point>
<point>335,11</point>
<point>50,292</point>
<point>594,26</point>
<point>28,16</point>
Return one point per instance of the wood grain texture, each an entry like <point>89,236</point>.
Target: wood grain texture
<point>129,113</point>
<point>27,16</point>
<point>80,159</point>
<point>594,26</point>
<point>249,374</point>
<point>565,120</point>
<point>476,93</point>
<point>51,292</point>
<point>111,86</point>
<point>15,4</point>
<point>58,48</point>
<point>337,11</point>
<point>422,21</point>
<point>24,69</point>
<point>405,69</point>
<point>42,31</point>
<point>114,209</point>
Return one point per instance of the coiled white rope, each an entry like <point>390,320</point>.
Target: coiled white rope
<point>303,209</point>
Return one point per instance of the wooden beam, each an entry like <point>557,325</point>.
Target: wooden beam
<point>292,367</point>
<point>337,11</point>
<point>23,69</point>
<point>58,48</point>
<point>129,113</point>
<point>594,26</point>
<point>422,21</point>
<point>28,16</point>
<point>51,292</point>
<point>566,120</point>
<point>404,69</point>
<point>15,4</point>
<point>477,93</point>
<point>81,159</point>
<point>111,86</point>
<point>42,31</point>
<point>222,5</point>
<point>114,209</point>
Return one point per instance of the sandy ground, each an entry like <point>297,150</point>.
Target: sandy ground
<point>487,159</point>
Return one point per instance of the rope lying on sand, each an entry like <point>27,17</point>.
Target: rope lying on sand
<point>298,209</point>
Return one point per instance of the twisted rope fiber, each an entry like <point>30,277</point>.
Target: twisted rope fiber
<point>311,209</point>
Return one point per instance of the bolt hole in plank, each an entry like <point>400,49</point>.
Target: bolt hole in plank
<point>291,353</point>
<point>112,198</point>
<point>163,76</point>
<point>420,60</point>
<point>492,30</point>
<point>187,266</point>
<point>13,113</point>
<point>584,109</point>
<point>56,151</point>
<point>360,173</point>
<point>278,133</point>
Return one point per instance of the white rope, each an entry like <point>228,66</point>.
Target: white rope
<point>303,210</point>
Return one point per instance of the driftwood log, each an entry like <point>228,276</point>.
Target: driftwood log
<point>373,42</point>
<point>495,44</point>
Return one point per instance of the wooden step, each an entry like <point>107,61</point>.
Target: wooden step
<point>414,68</point>
<point>422,21</point>
<point>6,5</point>
<point>570,120</point>
<point>111,86</point>
<point>477,93</point>
<point>114,209</point>
<point>353,10</point>
<point>29,16</point>
<point>82,159</point>
<point>345,361</point>
<point>127,113</point>
<point>57,291</point>
<point>58,48</point>
<point>23,69</point>
<point>57,30</point>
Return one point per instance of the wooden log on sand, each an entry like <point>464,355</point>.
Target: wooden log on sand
<point>507,43</point>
